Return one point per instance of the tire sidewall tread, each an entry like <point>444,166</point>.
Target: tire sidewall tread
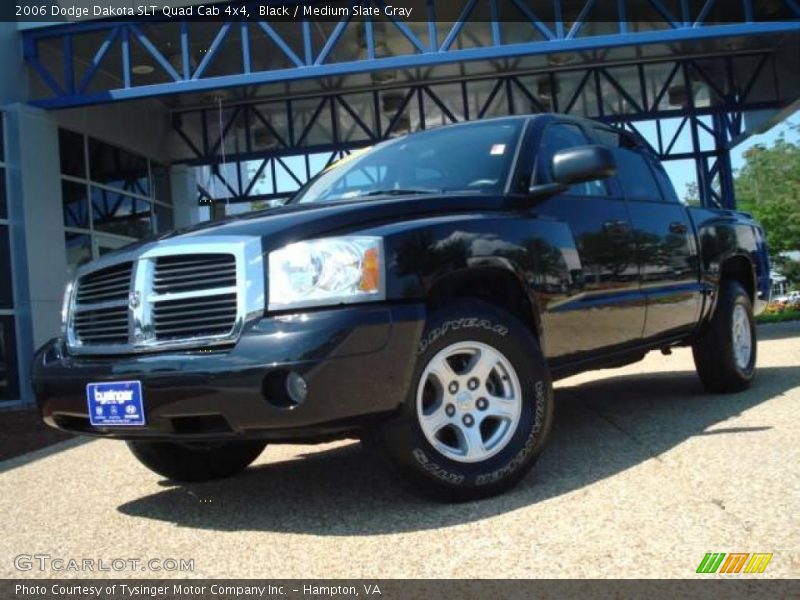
<point>713,350</point>
<point>426,470</point>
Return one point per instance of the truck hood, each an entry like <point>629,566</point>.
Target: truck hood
<point>282,225</point>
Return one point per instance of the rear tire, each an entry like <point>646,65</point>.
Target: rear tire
<point>725,350</point>
<point>478,410</point>
<point>196,462</point>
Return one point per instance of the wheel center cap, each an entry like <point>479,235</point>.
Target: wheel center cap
<point>464,400</point>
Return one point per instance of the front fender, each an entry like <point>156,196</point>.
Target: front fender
<point>424,254</point>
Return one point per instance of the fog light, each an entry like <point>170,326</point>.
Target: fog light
<point>296,387</point>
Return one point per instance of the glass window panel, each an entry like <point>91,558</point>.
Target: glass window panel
<point>75,204</point>
<point>608,137</point>
<point>9,380</point>
<point>71,151</point>
<point>6,291</point>
<point>3,202</point>
<point>638,182</point>
<point>79,251</point>
<point>120,214</point>
<point>118,168</point>
<point>164,220</point>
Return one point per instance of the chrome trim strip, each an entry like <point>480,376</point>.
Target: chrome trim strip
<point>153,297</point>
<point>106,304</point>
<point>250,288</point>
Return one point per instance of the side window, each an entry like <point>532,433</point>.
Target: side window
<point>561,136</point>
<point>667,189</point>
<point>609,137</point>
<point>636,176</point>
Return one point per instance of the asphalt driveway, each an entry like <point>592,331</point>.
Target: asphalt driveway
<point>644,474</point>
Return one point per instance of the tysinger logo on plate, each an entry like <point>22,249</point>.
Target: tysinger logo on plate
<point>116,403</point>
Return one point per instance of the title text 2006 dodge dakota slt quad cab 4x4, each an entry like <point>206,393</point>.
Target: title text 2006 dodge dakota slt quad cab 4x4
<point>422,294</point>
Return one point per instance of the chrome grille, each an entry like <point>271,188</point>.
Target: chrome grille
<point>193,317</point>
<point>102,326</point>
<point>105,285</point>
<point>172,294</point>
<point>101,306</point>
<point>175,274</point>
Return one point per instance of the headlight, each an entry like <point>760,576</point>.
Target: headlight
<point>65,307</point>
<point>326,272</point>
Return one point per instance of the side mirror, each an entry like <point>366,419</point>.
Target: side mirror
<point>584,163</point>
<point>576,165</point>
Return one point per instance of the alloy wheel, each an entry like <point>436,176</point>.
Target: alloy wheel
<point>469,401</point>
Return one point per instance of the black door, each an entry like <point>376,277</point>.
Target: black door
<point>605,307</point>
<point>665,244</point>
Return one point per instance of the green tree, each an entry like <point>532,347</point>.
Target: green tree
<point>791,270</point>
<point>768,186</point>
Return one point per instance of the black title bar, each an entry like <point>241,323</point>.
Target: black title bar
<point>600,11</point>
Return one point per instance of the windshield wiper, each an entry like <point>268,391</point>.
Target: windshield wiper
<point>400,192</point>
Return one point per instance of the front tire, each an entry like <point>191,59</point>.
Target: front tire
<point>196,461</point>
<point>725,350</point>
<point>479,409</point>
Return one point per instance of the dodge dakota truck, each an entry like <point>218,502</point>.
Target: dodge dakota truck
<point>421,295</point>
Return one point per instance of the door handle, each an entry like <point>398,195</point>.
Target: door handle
<point>616,228</point>
<point>678,227</point>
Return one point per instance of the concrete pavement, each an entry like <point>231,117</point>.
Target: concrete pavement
<point>644,474</point>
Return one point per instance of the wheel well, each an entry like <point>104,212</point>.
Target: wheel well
<point>496,286</point>
<point>739,268</point>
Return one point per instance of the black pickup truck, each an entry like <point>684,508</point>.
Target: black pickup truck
<point>422,295</point>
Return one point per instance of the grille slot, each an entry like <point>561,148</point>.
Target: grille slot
<point>194,317</point>
<point>102,326</point>
<point>193,272</point>
<point>106,285</point>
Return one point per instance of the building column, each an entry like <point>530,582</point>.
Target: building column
<point>39,256</point>
<point>183,183</point>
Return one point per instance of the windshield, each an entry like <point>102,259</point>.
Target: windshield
<point>474,157</point>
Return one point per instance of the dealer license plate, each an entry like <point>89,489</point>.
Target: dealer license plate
<point>115,403</point>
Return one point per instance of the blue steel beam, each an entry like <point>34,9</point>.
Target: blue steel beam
<point>154,52</point>
<point>321,65</point>
<point>720,121</point>
<point>729,104</point>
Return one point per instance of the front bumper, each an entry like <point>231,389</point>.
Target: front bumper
<point>357,363</point>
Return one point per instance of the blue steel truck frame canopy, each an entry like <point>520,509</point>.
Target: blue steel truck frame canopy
<point>246,95</point>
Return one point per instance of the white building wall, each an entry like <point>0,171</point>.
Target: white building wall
<point>35,194</point>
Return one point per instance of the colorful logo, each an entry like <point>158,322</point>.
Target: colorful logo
<point>735,562</point>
